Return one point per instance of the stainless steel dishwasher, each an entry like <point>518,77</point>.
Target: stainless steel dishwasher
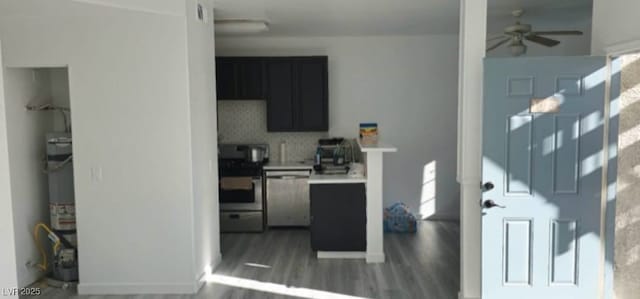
<point>287,196</point>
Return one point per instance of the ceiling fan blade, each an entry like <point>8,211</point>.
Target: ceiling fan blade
<point>558,32</point>
<point>491,38</point>
<point>542,40</point>
<point>498,44</point>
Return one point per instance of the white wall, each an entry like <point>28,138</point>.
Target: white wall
<point>614,22</point>
<point>8,277</point>
<point>129,85</point>
<point>202,94</point>
<point>405,83</point>
<point>59,78</point>
<point>26,132</point>
<point>170,7</point>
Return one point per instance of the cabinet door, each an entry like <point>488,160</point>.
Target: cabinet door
<point>312,94</point>
<point>225,78</point>
<point>280,95</point>
<point>338,217</point>
<point>250,78</point>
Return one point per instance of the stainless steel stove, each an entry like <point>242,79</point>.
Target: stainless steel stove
<point>241,188</point>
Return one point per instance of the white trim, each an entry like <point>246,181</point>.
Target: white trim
<point>375,207</point>
<point>342,254</point>
<point>201,280</point>
<point>473,21</point>
<point>150,288</point>
<point>623,48</point>
<point>462,297</point>
<point>604,180</point>
<point>375,257</point>
<point>136,288</point>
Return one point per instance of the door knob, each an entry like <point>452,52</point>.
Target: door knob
<point>489,204</point>
<point>487,186</point>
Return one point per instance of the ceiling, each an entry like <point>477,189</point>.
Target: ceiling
<point>387,17</point>
<point>346,17</point>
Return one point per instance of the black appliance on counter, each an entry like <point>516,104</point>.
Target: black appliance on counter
<point>333,156</point>
<point>241,187</point>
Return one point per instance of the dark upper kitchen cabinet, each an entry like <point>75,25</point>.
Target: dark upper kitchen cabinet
<point>280,94</point>
<point>240,78</point>
<point>338,217</point>
<point>297,94</point>
<point>251,78</point>
<point>225,78</point>
<point>296,89</point>
<point>312,92</point>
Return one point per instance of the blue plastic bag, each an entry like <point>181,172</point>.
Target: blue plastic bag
<point>398,219</point>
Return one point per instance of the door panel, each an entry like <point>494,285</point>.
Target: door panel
<point>518,166</point>
<point>517,252</point>
<point>542,150</point>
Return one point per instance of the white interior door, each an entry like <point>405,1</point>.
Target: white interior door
<point>542,171</point>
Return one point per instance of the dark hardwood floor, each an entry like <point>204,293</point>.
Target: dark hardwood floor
<point>280,264</point>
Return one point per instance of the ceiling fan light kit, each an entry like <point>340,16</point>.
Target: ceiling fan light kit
<point>519,32</point>
<point>240,26</point>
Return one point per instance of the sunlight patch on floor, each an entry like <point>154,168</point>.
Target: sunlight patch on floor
<point>275,288</point>
<point>255,265</point>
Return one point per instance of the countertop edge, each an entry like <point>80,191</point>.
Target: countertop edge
<point>337,180</point>
<point>287,166</point>
<point>380,147</point>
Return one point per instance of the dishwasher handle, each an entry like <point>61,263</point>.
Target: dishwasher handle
<point>290,175</point>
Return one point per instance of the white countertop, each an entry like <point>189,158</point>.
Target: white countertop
<point>379,147</point>
<point>336,179</point>
<point>289,165</point>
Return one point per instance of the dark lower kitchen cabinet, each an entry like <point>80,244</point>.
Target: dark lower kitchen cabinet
<point>240,78</point>
<point>297,94</point>
<point>338,217</point>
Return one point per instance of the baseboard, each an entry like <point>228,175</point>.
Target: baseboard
<point>460,296</point>
<point>201,279</point>
<point>135,288</point>
<point>150,288</point>
<point>342,254</point>
<point>375,258</point>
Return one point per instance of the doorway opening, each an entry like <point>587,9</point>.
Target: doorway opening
<point>627,228</point>
<point>39,139</point>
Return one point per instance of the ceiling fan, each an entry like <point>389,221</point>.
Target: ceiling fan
<point>518,32</point>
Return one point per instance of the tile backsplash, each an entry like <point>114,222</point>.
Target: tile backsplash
<point>246,122</point>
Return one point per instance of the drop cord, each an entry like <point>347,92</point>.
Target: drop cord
<point>56,246</point>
